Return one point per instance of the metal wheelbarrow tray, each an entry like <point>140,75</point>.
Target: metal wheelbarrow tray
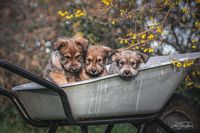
<point>102,100</point>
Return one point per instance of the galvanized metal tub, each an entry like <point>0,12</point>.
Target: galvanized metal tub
<point>110,95</point>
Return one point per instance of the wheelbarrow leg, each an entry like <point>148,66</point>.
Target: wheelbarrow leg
<point>142,128</point>
<point>84,129</point>
<point>109,128</point>
<point>164,126</point>
<point>52,128</point>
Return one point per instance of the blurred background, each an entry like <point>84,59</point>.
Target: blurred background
<point>29,28</point>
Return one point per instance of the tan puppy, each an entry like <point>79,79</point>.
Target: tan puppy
<point>95,62</point>
<point>126,62</point>
<point>66,60</point>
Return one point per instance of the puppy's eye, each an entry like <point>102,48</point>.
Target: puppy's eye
<point>88,60</point>
<point>78,57</point>
<point>99,60</point>
<point>67,56</point>
<point>132,63</point>
<point>64,60</point>
<point>121,63</point>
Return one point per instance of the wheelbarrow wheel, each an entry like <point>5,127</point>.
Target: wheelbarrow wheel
<point>179,114</point>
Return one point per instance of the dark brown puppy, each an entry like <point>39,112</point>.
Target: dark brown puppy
<point>95,62</point>
<point>126,62</point>
<point>66,60</point>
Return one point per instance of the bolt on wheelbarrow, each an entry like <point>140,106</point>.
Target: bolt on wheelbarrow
<point>148,102</point>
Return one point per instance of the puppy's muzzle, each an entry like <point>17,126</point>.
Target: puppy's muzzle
<point>127,73</point>
<point>75,69</point>
<point>93,72</point>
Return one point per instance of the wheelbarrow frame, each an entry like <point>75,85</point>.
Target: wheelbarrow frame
<point>138,121</point>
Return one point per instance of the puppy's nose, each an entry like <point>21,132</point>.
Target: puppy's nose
<point>74,69</point>
<point>93,70</point>
<point>127,72</point>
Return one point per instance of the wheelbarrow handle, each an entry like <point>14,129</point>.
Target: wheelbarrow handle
<point>9,94</point>
<point>41,81</point>
<point>28,75</point>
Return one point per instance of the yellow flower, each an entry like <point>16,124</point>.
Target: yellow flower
<point>166,2</point>
<point>194,47</point>
<point>145,50</point>
<point>137,47</point>
<point>151,50</point>
<point>185,10</point>
<point>187,77</point>
<point>121,41</point>
<point>142,41</point>
<point>143,36</point>
<point>159,29</point>
<point>197,24</point>
<point>79,13</point>
<point>69,16</point>
<point>152,27</point>
<point>129,34</point>
<point>188,63</point>
<point>62,13</point>
<point>134,36</point>
<point>125,41</point>
<point>184,65</point>
<point>178,64</point>
<point>151,18</point>
<point>190,83</point>
<point>151,36</point>
<point>194,41</point>
<point>122,12</point>
<point>106,2</point>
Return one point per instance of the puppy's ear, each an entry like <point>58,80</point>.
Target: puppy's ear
<point>108,52</point>
<point>115,56</point>
<point>107,49</point>
<point>60,43</point>
<point>143,57</point>
<point>83,43</point>
<point>55,60</point>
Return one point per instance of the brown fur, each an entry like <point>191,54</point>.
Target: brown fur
<point>66,60</point>
<point>95,62</point>
<point>126,63</point>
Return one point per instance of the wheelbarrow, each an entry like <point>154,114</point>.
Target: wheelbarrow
<point>142,102</point>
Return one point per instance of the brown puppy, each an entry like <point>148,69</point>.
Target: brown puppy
<point>95,62</point>
<point>126,62</point>
<point>66,60</point>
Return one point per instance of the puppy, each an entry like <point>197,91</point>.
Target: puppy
<point>66,60</point>
<point>126,62</point>
<point>95,62</point>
